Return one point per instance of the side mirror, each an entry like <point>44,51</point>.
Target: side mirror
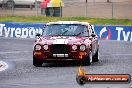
<point>93,35</point>
<point>38,35</point>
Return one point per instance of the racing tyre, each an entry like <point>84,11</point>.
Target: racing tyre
<point>96,56</point>
<point>89,59</point>
<point>37,62</point>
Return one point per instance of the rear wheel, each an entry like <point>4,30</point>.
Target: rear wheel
<point>96,56</point>
<point>37,62</point>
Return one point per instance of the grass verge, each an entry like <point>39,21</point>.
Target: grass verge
<point>43,19</point>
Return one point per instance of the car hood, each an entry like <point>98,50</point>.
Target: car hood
<point>64,40</point>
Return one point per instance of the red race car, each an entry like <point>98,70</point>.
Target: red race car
<point>66,41</point>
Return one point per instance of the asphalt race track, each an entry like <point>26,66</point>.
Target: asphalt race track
<point>115,58</point>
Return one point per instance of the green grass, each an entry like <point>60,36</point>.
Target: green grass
<point>43,19</point>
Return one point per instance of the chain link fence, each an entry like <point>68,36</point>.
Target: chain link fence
<point>99,9</point>
<point>119,10</point>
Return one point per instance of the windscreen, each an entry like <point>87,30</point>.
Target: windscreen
<point>65,30</point>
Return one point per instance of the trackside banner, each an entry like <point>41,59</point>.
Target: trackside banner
<point>114,32</point>
<point>29,30</point>
<point>20,30</point>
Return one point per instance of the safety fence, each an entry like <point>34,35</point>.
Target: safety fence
<point>29,30</point>
<point>75,8</point>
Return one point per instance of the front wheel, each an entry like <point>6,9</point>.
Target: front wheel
<point>96,56</point>
<point>89,59</point>
<point>37,62</point>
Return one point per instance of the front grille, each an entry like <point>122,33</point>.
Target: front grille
<point>59,49</point>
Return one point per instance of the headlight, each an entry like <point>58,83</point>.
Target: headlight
<point>74,47</point>
<point>45,47</point>
<point>82,47</point>
<point>37,47</point>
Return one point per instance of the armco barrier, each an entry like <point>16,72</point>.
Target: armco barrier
<point>28,30</point>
